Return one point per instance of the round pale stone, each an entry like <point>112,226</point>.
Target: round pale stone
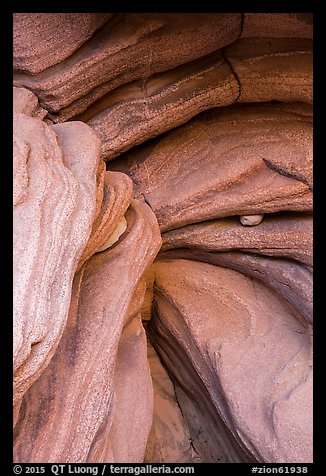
<point>251,220</point>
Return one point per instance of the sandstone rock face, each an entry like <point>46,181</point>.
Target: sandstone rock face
<point>169,439</point>
<point>117,194</point>
<point>291,280</point>
<point>238,161</point>
<point>279,235</point>
<point>60,34</point>
<point>102,308</point>
<point>129,47</point>
<point>247,71</point>
<point>244,249</point>
<point>163,262</point>
<point>272,69</point>
<point>26,102</point>
<point>54,200</point>
<point>249,351</point>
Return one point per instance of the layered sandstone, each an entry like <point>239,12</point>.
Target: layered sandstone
<point>86,382</point>
<point>233,161</point>
<point>240,355</point>
<point>163,264</point>
<point>54,205</point>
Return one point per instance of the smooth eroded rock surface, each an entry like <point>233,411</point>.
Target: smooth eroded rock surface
<point>249,352</point>
<point>26,102</point>
<point>78,386</point>
<point>54,205</point>
<point>162,259</point>
<point>291,280</point>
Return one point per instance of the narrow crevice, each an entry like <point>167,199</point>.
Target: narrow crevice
<point>191,443</point>
<point>146,201</point>
<point>219,434</point>
<point>234,73</point>
<point>285,173</point>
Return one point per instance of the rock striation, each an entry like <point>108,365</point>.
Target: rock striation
<point>239,355</point>
<point>162,232</point>
<point>233,161</point>
<point>88,375</point>
<point>54,205</point>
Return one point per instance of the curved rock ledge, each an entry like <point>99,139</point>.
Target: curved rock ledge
<point>291,280</point>
<point>280,235</point>
<point>87,385</point>
<point>233,161</point>
<point>163,265</point>
<point>129,47</point>
<point>247,71</point>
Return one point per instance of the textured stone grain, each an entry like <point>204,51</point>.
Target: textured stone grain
<point>204,124</point>
<point>272,69</point>
<point>117,197</point>
<point>144,109</point>
<point>248,350</point>
<point>131,46</point>
<point>75,396</point>
<point>239,160</point>
<point>42,40</point>
<point>54,200</point>
<point>282,235</point>
<point>246,71</point>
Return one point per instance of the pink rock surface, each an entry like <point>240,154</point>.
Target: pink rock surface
<point>290,279</point>
<point>248,350</point>
<point>117,197</point>
<point>42,40</point>
<point>206,119</point>
<point>26,102</point>
<point>138,111</point>
<point>246,71</point>
<point>225,242</point>
<point>84,370</point>
<point>227,161</point>
<point>54,204</point>
<point>281,235</point>
<point>130,46</point>
<point>169,439</point>
<point>127,436</point>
